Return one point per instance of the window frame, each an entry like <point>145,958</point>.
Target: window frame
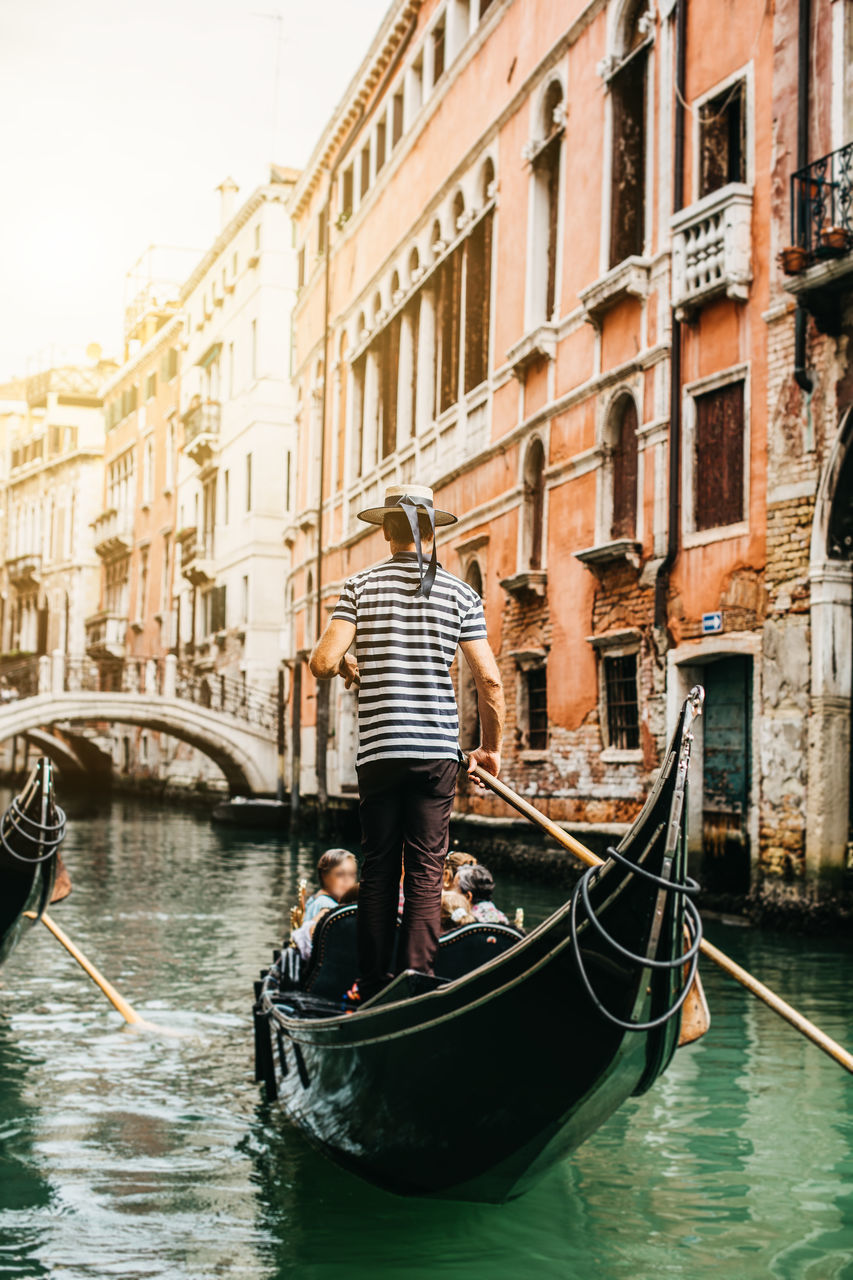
<point>690,535</point>
<point>623,644</point>
<point>747,74</point>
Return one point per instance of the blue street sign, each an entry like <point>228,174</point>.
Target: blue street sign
<point>711,623</point>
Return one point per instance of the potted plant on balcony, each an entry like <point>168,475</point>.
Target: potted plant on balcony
<point>834,240</point>
<point>793,259</point>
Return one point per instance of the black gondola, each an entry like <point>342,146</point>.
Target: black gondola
<point>547,1034</point>
<point>31,831</point>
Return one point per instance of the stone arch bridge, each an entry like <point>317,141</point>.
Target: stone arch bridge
<point>233,723</point>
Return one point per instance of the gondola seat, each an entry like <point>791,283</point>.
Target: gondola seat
<point>465,949</point>
<point>333,966</point>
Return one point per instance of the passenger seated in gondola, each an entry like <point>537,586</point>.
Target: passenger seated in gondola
<point>455,911</point>
<point>453,862</point>
<point>477,885</point>
<point>337,872</point>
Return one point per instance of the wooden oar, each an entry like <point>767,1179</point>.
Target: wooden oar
<point>116,1000</point>
<point>590,859</point>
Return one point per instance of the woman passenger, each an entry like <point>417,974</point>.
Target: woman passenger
<point>477,885</point>
<point>455,911</point>
<point>453,862</point>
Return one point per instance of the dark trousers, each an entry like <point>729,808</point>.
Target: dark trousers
<point>404,805</point>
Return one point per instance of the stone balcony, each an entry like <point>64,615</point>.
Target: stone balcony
<point>24,571</point>
<point>201,431</point>
<point>712,248</point>
<point>105,634</point>
<point>113,534</point>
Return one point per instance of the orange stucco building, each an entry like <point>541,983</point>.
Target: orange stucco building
<point>535,269</point>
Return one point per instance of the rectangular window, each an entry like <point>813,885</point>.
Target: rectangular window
<point>449,306</point>
<point>628,159</point>
<point>150,386</point>
<point>230,369</point>
<point>623,710</point>
<point>536,688</point>
<point>257,236</point>
<point>718,470</point>
<point>347,191</point>
<point>416,86</point>
<point>478,279</point>
<point>396,118</point>
<point>364,182</point>
<point>287,479</point>
<point>234,264</point>
<point>437,52</point>
<point>389,362</point>
<point>722,139</point>
<point>170,455</point>
<point>143,583</point>
<point>321,231</point>
<point>167,565</point>
<point>300,267</point>
<point>248,482</point>
<point>245,598</point>
<point>380,145</point>
<point>216,598</point>
<point>226,495</point>
<point>254,349</point>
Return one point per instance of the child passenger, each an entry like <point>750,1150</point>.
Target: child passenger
<point>337,872</point>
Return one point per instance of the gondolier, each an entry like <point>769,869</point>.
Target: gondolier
<point>407,617</point>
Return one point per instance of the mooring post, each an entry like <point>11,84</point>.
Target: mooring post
<point>296,740</point>
<point>280,709</point>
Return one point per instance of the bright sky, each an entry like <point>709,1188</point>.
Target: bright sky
<point>118,120</point>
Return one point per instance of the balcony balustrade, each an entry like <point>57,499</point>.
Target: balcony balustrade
<point>712,248</point>
<point>113,533</point>
<point>24,571</point>
<point>105,634</point>
<point>201,431</point>
<point>819,259</point>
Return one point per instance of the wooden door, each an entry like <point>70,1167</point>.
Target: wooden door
<point>727,770</point>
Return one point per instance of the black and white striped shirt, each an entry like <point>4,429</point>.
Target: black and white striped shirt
<point>404,647</point>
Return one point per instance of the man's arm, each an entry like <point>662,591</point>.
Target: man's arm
<point>490,705</point>
<point>329,656</point>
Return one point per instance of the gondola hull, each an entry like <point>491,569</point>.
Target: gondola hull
<point>474,1089</point>
<point>28,863</point>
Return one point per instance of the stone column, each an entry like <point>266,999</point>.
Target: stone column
<point>405,371</point>
<point>44,673</point>
<point>57,671</point>
<point>170,676</point>
<point>828,799</point>
<point>425,403</point>
<point>151,676</point>
<point>369,441</point>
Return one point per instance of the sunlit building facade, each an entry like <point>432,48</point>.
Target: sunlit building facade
<point>535,269</point>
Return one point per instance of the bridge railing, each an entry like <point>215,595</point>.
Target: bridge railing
<point>166,677</point>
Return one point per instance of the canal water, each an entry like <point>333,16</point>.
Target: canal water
<point>127,1154</point>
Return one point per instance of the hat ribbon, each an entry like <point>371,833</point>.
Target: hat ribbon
<point>410,506</point>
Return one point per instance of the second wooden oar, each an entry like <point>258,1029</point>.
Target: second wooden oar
<point>115,998</point>
<point>746,979</point>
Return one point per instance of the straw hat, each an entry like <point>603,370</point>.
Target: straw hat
<point>420,494</point>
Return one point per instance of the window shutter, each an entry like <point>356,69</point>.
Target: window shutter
<point>624,523</point>
<point>719,457</point>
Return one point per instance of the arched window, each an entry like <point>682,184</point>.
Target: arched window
<point>546,204</point>
<point>395,285</point>
<point>622,432</point>
<point>487,177</point>
<point>534,504</point>
<point>628,158</point>
<point>458,211</point>
<point>478,293</point>
<point>414,264</point>
<point>469,714</point>
<point>435,239</point>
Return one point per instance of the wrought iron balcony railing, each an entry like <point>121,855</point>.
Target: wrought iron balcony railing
<point>202,420</point>
<point>822,205</point>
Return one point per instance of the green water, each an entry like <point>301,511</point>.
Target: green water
<point>136,1155</point>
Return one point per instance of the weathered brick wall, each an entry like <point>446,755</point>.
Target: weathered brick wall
<point>574,784</point>
<point>801,432</point>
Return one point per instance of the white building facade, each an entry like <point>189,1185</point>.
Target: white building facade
<point>237,439</point>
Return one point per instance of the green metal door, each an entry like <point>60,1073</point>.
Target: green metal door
<point>727,775</point>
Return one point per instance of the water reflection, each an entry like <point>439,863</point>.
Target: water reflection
<point>139,1155</point>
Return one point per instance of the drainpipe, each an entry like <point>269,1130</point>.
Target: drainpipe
<point>662,579</point>
<point>324,686</point>
<point>803,377</point>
